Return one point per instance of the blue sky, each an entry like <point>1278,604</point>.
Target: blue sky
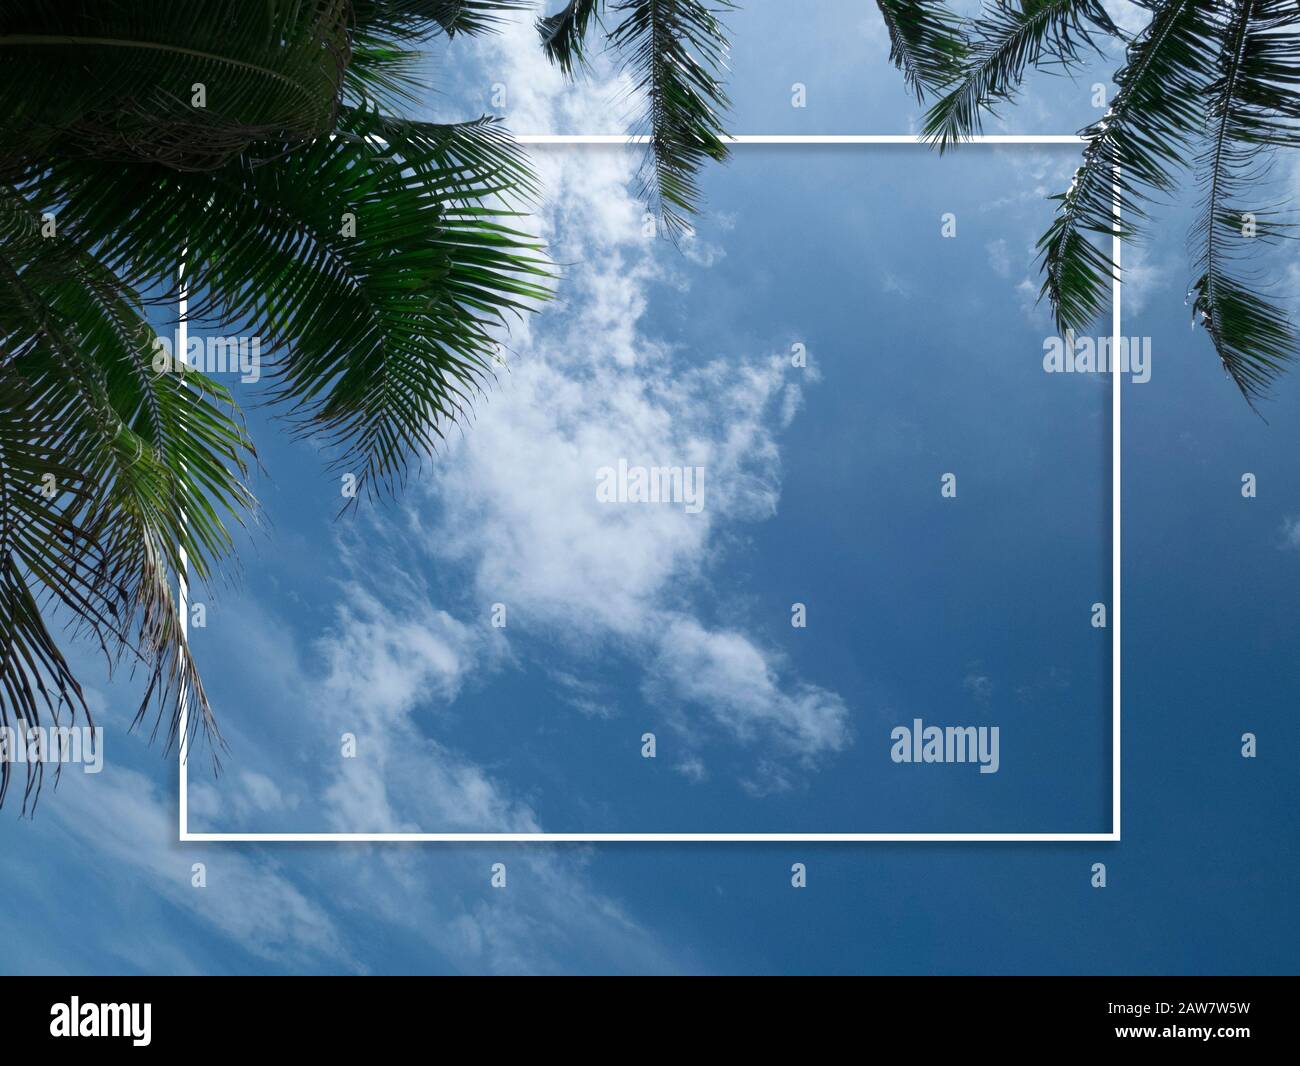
<point>821,487</point>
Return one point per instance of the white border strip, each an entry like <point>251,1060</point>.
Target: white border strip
<point>826,838</point>
<point>1116,390</point>
<point>799,138</point>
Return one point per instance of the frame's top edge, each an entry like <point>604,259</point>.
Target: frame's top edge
<point>803,138</point>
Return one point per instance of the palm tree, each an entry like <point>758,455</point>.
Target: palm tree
<point>250,155</point>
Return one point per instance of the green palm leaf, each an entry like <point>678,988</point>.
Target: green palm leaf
<point>418,20</point>
<point>925,42</point>
<point>1009,38</point>
<point>272,73</point>
<point>1131,153</point>
<point>677,50</point>
<point>144,465</point>
<point>379,266</point>
<point>384,70</point>
<point>564,33</point>
<point>46,550</point>
<point>1253,107</point>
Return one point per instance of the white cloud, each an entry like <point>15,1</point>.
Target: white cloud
<point>263,794</point>
<point>999,257</point>
<point>700,252</point>
<point>390,672</point>
<point>978,685</point>
<point>1291,532</point>
<point>586,696</point>
<point>728,676</point>
<point>893,285</point>
<point>122,815</point>
<point>1142,276</point>
<point>1031,306</point>
<point>693,769</point>
<point>245,792</point>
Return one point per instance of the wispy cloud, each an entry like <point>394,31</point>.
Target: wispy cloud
<point>1291,533</point>
<point>999,257</point>
<point>123,817</point>
<point>978,685</point>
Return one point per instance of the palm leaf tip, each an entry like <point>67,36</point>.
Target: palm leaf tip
<point>418,20</point>
<point>564,34</point>
<point>1254,339</point>
<point>1252,109</point>
<point>678,52</point>
<point>474,16</point>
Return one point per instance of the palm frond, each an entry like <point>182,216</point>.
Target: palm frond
<point>159,459</point>
<point>378,267</point>
<point>274,74</point>
<point>380,335</point>
<point>677,50</point>
<point>1253,107</point>
<point>564,34</point>
<point>384,71</point>
<point>382,76</point>
<point>419,20</point>
<point>1130,154</point>
<point>925,42</point>
<point>1008,39</point>
<point>44,544</point>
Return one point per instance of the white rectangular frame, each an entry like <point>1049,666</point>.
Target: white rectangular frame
<point>536,838</point>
